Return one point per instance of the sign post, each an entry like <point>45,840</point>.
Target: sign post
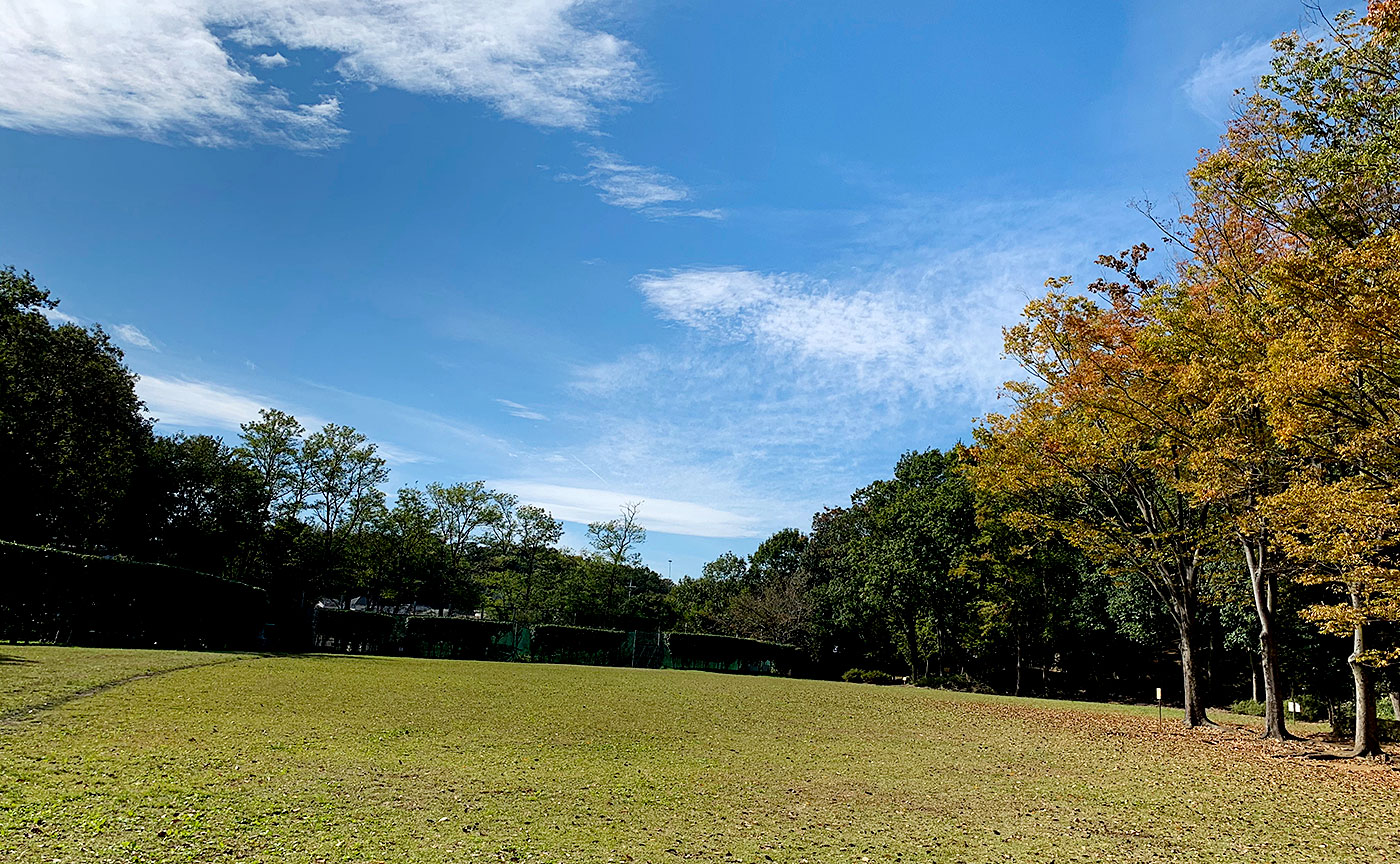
<point>1159,707</point>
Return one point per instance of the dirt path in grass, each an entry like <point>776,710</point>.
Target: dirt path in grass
<point>17,716</point>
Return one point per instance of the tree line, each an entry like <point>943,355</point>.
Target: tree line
<point>302,513</point>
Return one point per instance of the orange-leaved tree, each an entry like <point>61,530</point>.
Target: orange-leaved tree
<point>1101,423</point>
<point>1298,215</point>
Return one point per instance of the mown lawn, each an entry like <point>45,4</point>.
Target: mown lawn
<point>35,675</point>
<point>340,759</point>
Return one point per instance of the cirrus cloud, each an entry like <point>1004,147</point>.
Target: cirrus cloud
<point>637,187</point>
<point>132,335</point>
<point>182,70</point>
<point>584,505</point>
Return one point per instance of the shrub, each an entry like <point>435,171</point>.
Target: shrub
<point>1345,723</point>
<point>959,682</point>
<point>1313,708</point>
<point>868,676</point>
<point>1248,707</point>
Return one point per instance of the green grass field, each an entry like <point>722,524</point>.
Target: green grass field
<point>344,759</point>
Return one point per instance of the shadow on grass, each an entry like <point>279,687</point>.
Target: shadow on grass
<point>10,660</point>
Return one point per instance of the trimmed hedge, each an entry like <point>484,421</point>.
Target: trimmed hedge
<point>729,654</point>
<point>474,639</point>
<point>459,638</point>
<point>358,632</point>
<point>53,595</point>
<point>558,643</point>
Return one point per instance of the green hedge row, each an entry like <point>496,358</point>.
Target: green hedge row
<point>729,654</point>
<point>472,639</point>
<point>558,643</point>
<point>459,638</point>
<point>358,632</point>
<point>52,595</point>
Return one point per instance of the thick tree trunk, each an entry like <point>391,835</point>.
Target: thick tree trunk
<point>1262,581</point>
<point>1395,703</point>
<point>1368,735</point>
<point>1193,701</point>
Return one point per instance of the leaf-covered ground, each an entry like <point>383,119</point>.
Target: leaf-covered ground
<point>339,759</point>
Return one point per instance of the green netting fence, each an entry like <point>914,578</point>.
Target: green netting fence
<point>355,632</point>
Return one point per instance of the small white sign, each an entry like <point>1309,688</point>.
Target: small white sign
<point>1294,707</point>
<point>1159,694</point>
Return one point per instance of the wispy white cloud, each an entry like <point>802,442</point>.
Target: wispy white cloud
<point>182,70</point>
<point>637,187</point>
<point>583,505</point>
<point>180,402</point>
<point>515,409</point>
<point>398,456</point>
<point>57,317</point>
<point>131,335</point>
<point>894,335</point>
<point>777,393</point>
<point>1214,89</point>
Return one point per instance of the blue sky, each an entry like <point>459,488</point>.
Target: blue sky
<point>729,259</point>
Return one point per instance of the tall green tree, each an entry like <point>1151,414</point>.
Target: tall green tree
<point>701,605</point>
<point>615,541</point>
<point>524,536</point>
<point>73,438</point>
<point>344,474</point>
<point>915,531</point>
<point>209,507</point>
<point>466,516</point>
<point>411,558</point>
<point>272,447</point>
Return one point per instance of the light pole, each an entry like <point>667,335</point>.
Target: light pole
<point>668,570</point>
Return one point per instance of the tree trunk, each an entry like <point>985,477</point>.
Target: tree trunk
<point>1368,737</point>
<point>1253,679</point>
<point>1395,703</point>
<point>1261,579</point>
<point>1192,698</point>
<point>911,637</point>
<point>1018,663</point>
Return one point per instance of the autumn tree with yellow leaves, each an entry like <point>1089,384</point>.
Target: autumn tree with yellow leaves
<point>1249,400</point>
